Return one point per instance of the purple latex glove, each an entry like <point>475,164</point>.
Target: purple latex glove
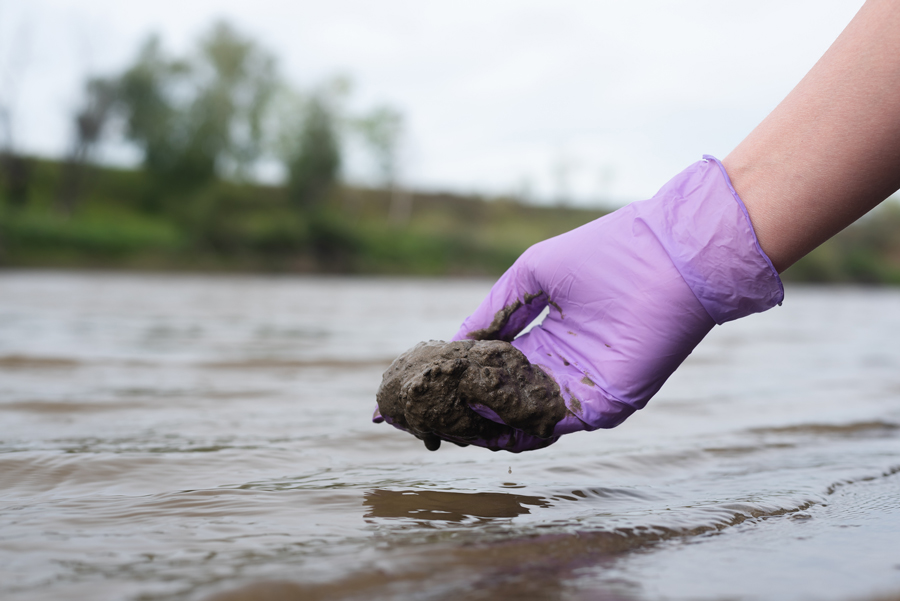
<point>630,294</point>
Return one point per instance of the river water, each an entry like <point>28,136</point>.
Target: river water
<point>209,437</point>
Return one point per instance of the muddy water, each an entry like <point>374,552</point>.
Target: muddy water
<point>184,437</point>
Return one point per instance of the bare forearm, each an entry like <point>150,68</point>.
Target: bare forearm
<point>830,151</point>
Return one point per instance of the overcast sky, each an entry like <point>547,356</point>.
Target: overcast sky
<point>589,99</point>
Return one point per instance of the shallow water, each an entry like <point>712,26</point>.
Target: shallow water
<point>193,437</point>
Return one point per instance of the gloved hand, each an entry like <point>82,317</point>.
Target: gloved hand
<point>630,295</point>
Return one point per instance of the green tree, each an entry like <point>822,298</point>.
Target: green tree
<point>381,131</point>
<point>90,122</point>
<point>312,153</point>
<point>240,82</point>
<point>198,117</point>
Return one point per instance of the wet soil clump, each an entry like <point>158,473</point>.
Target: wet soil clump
<point>430,390</point>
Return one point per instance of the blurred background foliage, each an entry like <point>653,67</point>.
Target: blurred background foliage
<point>207,123</point>
<point>232,225</point>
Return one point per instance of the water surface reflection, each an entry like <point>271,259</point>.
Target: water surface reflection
<point>437,505</point>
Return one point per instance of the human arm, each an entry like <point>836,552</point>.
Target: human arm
<point>629,296</point>
<point>830,151</point>
<point>633,293</point>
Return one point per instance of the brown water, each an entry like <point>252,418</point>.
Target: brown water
<point>186,437</point>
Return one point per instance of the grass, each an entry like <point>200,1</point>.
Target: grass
<point>119,223</point>
<point>228,226</point>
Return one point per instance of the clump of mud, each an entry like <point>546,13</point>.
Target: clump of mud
<point>430,388</point>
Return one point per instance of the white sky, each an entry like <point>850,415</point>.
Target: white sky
<point>593,99</point>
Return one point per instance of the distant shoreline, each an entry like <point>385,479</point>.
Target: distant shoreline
<point>118,224</point>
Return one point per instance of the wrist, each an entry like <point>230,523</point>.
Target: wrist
<point>751,187</point>
<point>706,230</point>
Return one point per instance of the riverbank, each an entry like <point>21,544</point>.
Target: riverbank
<point>118,222</point>
<point>114,219</point>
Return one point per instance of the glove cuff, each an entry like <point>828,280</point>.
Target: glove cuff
<point>705,229</point>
